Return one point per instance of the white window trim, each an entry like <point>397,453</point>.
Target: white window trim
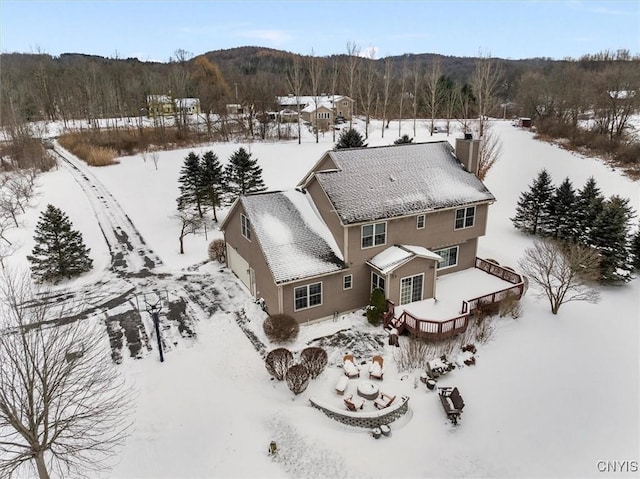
<point>383,279</point>
<point>411,277</point>
<point>245,226</point>
<point>307,286</point>
<point>344,278</point>
<point>374,245</point>
<point>455,218</point>
<point>451,265</point>
<point>424,222</point>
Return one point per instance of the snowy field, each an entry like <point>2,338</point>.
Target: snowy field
<point>549,396</point>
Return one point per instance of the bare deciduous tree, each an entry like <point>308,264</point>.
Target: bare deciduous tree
<point>64,407</point>
<point>386,87</point>
<point>433,96</point>
<point>490,151</point>
<point>190,223</point>
<point>294,80</point>
<point>485,81</point>
<point>353,62</point>
<point>563,272</point>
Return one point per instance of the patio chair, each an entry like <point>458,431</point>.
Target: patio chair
<point>353,404</point>
<point>376,369</point>
<point>350,368</point>
<point>383,401</point>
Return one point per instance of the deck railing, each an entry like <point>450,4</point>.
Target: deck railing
<point>432,329</point>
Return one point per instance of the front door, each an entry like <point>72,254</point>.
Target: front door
<point>411,288</point>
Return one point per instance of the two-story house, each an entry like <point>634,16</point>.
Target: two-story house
<point>322,110</point>
<point>392,217</point>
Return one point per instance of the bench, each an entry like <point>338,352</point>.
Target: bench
<point>341,385</point>
<point>452,403</point>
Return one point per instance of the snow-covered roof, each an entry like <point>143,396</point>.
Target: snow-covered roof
<point>311,107</point>
<point>158,99</point>
<point>397,255</point>
<point>295,240</point>
<point>186,102</point>
<point>391,181</point>
<point>292,100</point>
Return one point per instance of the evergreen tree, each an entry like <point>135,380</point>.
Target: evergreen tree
<point>590,203</point>
<point>563,216</point>
<point>533,206</point>
<point>212,180</point>
<point>242,174</point>
<point>350,139</point>
<point>635,249</point>
<point>191,190</point>
<point>610,235</point>
<point>403,140</point>
<point>59,251</point>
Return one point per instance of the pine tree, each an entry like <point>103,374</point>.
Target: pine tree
<point>589,205</point>
<point>563,215</point>
<point>191,190</point>
<point>59,251</point>
<point>635,249</point>
<point>211,179</point>
<point>533,206</point>
<point>242,174</point>
<point>610,235</point>
<point>350,139</point>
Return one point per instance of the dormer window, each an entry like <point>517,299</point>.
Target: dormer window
<point>374,234</point>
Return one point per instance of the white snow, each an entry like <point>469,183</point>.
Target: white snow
<point>550,396</point>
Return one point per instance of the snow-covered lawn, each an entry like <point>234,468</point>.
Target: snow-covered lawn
<point>550,396</point>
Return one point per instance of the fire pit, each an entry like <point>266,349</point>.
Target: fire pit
<point>368,390</point>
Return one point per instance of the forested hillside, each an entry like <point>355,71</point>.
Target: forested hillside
<point>557,95</point>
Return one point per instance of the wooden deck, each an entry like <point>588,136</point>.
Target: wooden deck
<point>441,329</point>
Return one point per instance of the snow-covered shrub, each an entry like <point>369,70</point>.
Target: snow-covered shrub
<point>278,362</point>
<point>510,306</point>
<point>297,378</point>
<point>414,353</point>
<point>281,328</point>
<point>314,359</point>
<point>217,251</point>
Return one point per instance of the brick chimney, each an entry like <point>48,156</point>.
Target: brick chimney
<point>467,150</point>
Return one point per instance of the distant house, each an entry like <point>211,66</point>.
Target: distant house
<point>187,106</point>
<point>524,122</point>
<point>166,105</point>
<point>160,105</point>
<point>322,110</point>
<point>392,217</point>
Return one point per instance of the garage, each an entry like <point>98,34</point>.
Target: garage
<point>240,268</point>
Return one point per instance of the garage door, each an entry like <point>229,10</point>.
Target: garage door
<point>239,266</point>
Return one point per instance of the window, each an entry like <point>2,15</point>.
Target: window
<point>411,289</point>
<point>377,281</point>
<point>308,296</point>
<point>374,234</point>
<point>420,222</point>
<point>322,115</point>
<point>347,281</point>
<point>345,103</point>
<point>449,257</point>
<point>465,217</point>
<point>245,227</point>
